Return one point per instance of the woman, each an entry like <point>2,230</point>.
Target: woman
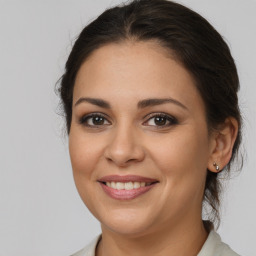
<point>150,97</point>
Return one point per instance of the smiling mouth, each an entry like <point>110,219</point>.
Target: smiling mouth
<point>126,187</point>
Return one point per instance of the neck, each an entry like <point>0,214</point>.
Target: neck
<point>182,239</point>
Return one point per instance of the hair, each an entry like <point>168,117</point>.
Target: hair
<point>194,43</point>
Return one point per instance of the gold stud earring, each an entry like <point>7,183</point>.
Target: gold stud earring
<point>216,167</point>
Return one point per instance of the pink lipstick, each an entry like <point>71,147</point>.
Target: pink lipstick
<point>126,187</point>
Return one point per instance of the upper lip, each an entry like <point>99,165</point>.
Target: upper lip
<point>126,178</point>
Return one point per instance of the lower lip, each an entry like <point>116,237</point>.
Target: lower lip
<point>123,194</point>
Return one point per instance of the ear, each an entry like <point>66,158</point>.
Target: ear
<point>222,142</point>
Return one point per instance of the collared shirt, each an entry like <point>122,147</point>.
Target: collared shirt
<point>213,246</point>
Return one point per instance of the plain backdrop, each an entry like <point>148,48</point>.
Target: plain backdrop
<point>41,213</point>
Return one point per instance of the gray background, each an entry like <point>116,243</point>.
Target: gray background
<point>40,211</point>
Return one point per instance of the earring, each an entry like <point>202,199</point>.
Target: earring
<point>216,167</point>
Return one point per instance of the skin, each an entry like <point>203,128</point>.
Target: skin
<point>167,219</point>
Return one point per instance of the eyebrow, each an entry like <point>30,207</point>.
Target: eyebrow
<point>141,104</point>
<point>154,102</point>
<point>98,102</point>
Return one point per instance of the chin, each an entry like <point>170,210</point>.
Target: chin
<point>128,223</point>
<point>125,229</point>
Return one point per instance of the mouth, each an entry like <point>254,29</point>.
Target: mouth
<point>126,187</point>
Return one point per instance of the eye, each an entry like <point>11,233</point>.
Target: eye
<point>95,119</point>
<point>160,120</point>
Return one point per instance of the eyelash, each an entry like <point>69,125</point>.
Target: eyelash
<point>172,120</point>
<point>84,119</point>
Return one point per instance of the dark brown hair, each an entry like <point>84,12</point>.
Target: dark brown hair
<point>195,44</point>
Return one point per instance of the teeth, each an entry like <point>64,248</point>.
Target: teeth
<point>119,185</point>
<point>136,184</point>
<point>143,184</point>
<point>113,184</point>
<point>126,185</point>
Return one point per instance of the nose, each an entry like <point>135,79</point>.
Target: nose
<point>124,147</point>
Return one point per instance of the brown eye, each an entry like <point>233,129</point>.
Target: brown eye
<point>160,120</point>
<point>97,120</point>
<point>94,120</point>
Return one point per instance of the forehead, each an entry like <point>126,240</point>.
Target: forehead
<point>137,70</point>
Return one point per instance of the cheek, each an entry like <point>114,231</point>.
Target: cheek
<point>182,154</point>
<point>84,154</point>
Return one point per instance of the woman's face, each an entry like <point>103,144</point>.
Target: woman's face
<point>139,142</point>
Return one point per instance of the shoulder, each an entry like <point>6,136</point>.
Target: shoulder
<point>213,246</point>
<point>89,250</point>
